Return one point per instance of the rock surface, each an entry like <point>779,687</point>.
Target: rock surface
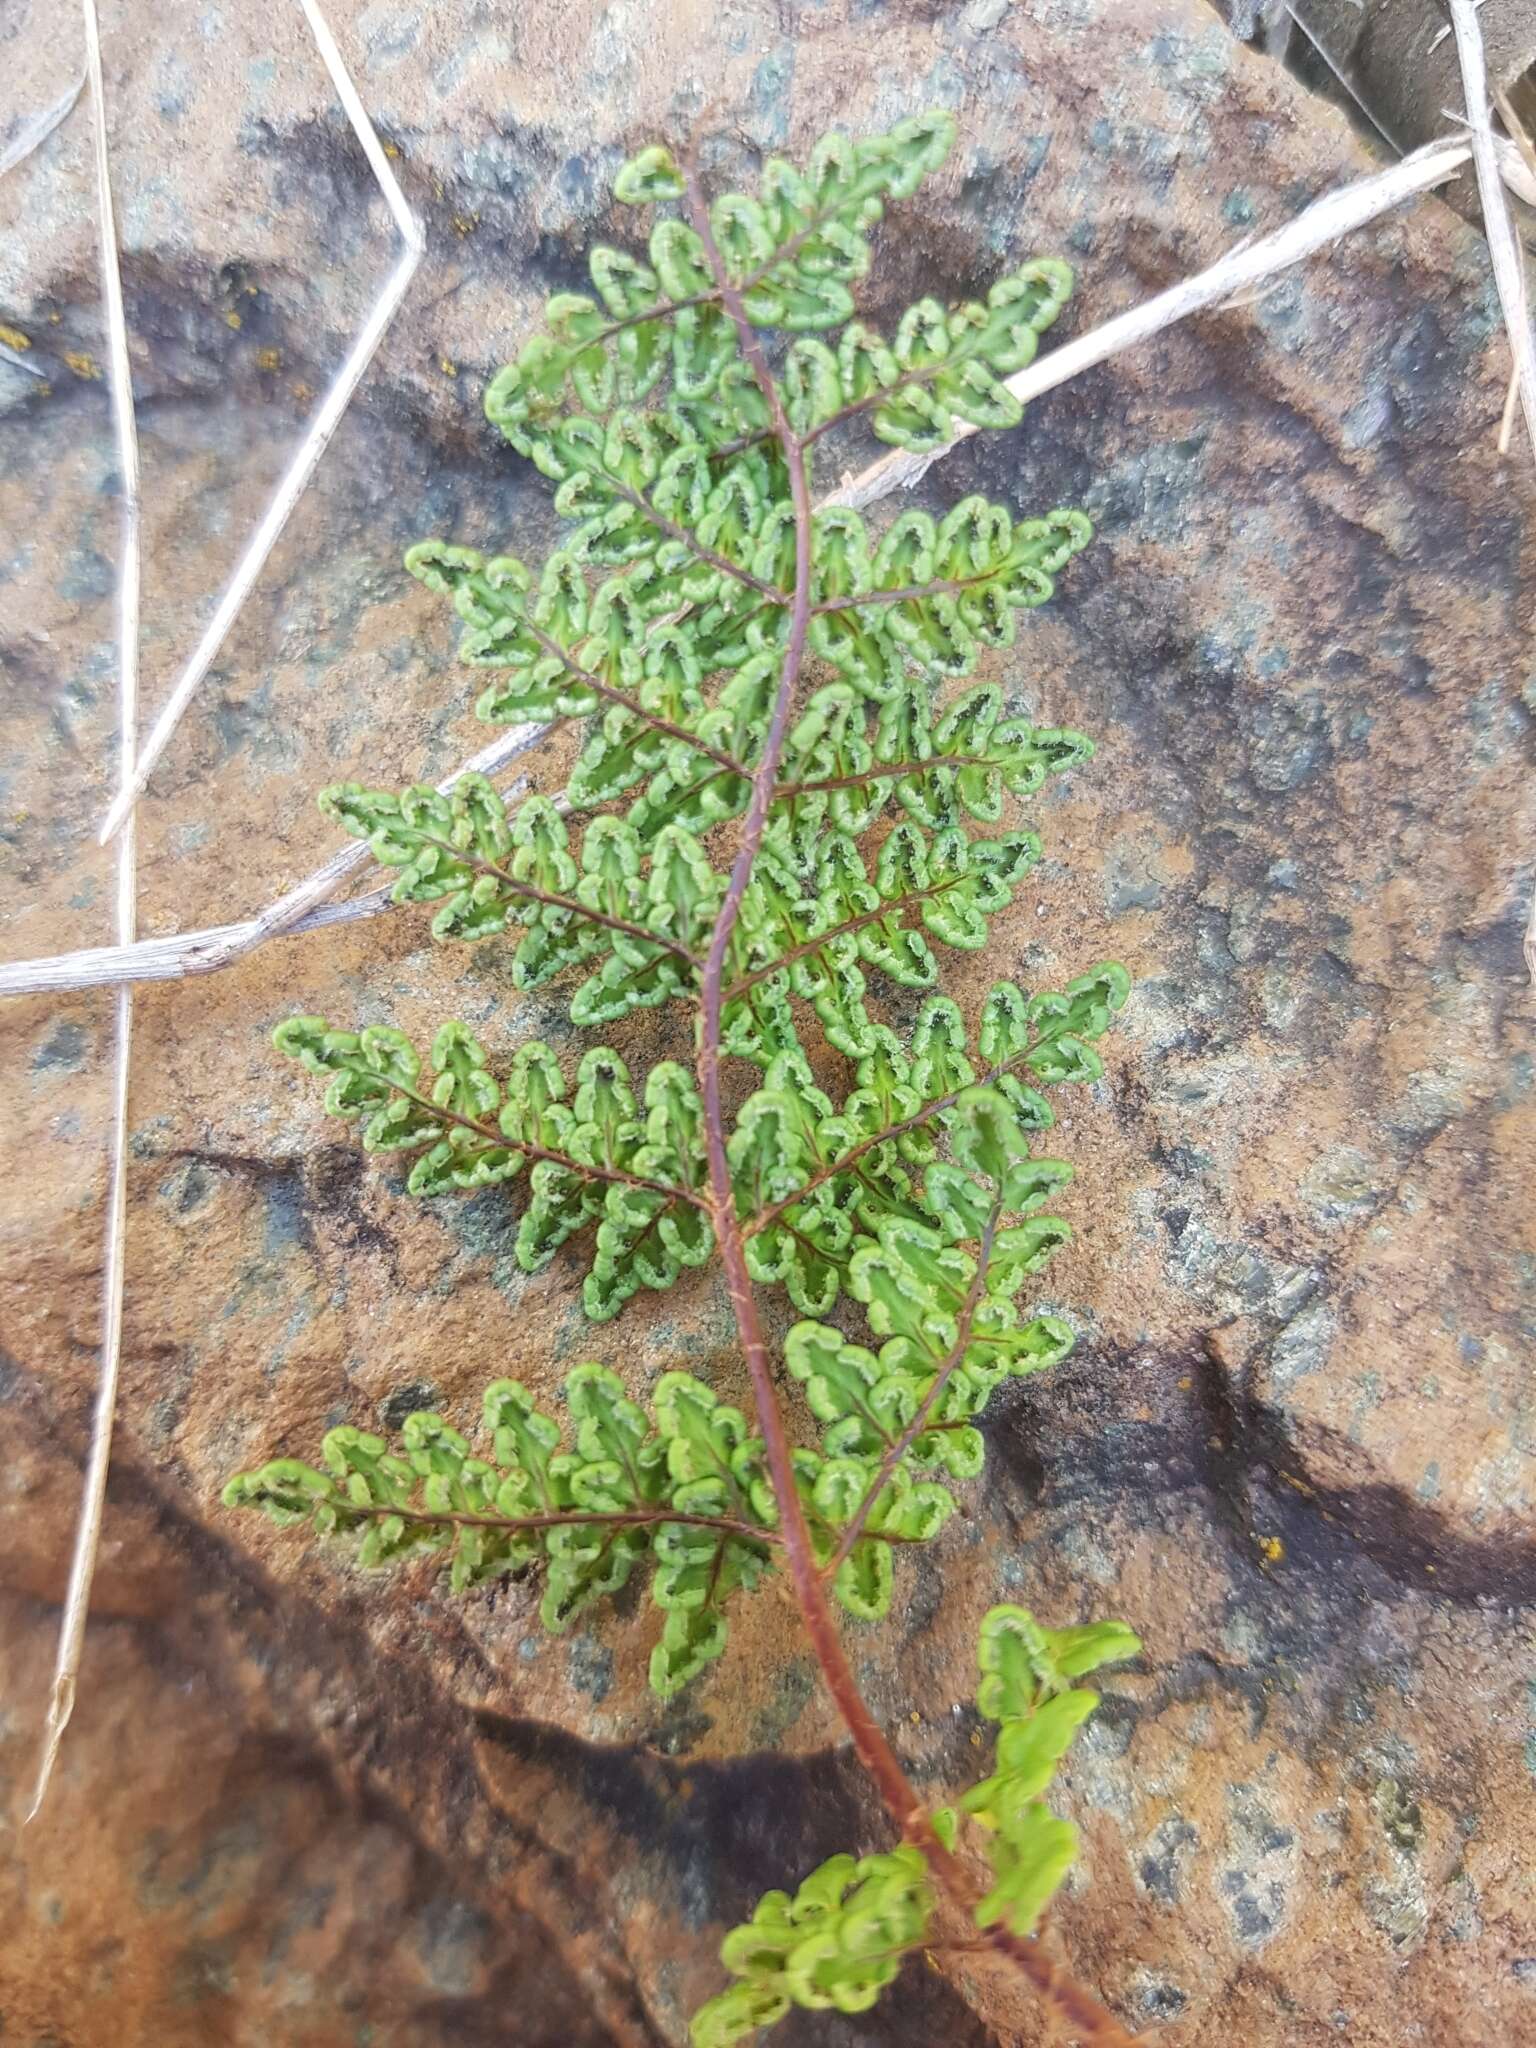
<point>1296,1445</point>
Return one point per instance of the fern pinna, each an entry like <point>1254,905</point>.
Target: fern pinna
<point>784,800</point>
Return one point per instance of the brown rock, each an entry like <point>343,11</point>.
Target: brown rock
<point>299,1805</point>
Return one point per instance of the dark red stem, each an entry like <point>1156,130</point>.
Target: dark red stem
<point>882,771</point>
<point>1096,2025</point>
<point>893,908</point>
<point>573,904</point>
<point>930,1401</point>
<point>949,586</point>
<point>494,1135</point>
<point>924,1115</point>
<point>573,667</point>
<point>561,1518</point>
<point>674,530</point>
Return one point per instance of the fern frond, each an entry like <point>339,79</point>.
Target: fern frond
<point>840,1939</point>
<point>788,796</point>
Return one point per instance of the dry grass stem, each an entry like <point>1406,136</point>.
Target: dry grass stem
<point>316,439</point>
<point>82,1570</point>
<point>34,133</point>
<point>1328,219</point>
